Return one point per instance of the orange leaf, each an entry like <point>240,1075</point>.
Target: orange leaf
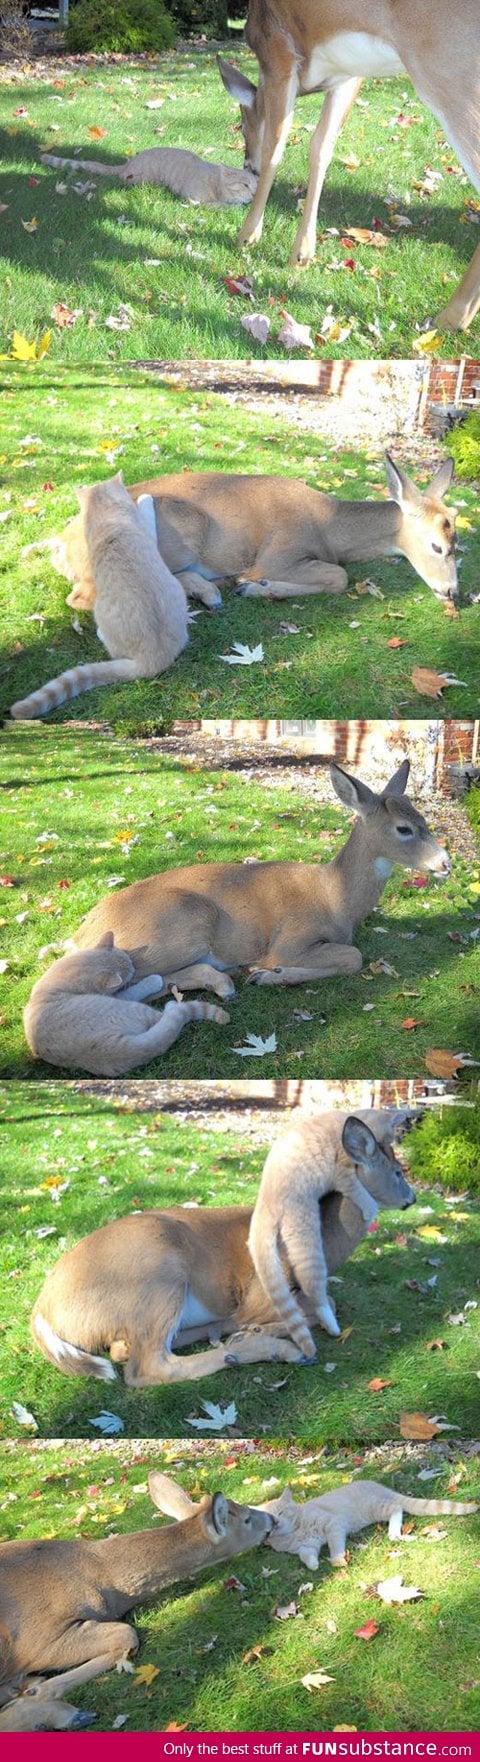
<point>98,134</point>
<point>174,1726</point>
<point>377,1384</point>
<point>417,1427</point>
<point>441,1063</point>
<point>367,1632</point>
<point>397,642</point>
<point>412,1022</point>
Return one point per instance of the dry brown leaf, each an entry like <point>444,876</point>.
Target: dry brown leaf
<point>377,1384</point>
<point>427,681</point>
<point>97,134</point>
<point>417,1427</point>
<point>365,235</point>
<point>437,1346</point>
<point>441,1063</point>
<point>412,1022</point>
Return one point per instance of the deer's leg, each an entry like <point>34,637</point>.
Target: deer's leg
<point>324,960</point>
<point>154,1365</point>
<point>204,976</point>
<point>198,587</point>
<point>336,107</point>
<point>87,1650</point>
<point>298,580</point>
<point>454,101</point>
<point>279,99</point>
<point>141,989</point>
<point>464,302</point>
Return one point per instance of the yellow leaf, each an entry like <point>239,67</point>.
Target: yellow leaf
<point>430,1233</point>
<point>44,344</point>
<point>22,350</point>
<point>29,225</point>
<point>146,1674</point>
<point>428,343</point>
<point>474,887</point>
<point>464,524</point>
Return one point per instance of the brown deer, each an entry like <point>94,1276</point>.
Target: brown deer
<point>277,537</point>
<point>282,922</point>
<point>330,46</point>
<point>63,1603</point>
<point>153,1279</point>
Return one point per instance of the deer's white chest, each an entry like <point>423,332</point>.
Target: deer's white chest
<point>382,868</point>
<point>194,1314</point>
<point>347,54</point>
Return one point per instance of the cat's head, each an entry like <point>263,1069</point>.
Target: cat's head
<point>102,499</point>
<point>104,969</point>
<point>69,556</point>
<point>282,1510</point>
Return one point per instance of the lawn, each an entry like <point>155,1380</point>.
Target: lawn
<point>103,250</point>
<point>84,811</point>
<point>115,1159</point>
<point>420,1672</point>
<point>325,656</point>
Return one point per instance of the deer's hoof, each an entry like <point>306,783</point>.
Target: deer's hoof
<point>231,1358</point>
<point>308,1361</point>
<point>81,1721</point>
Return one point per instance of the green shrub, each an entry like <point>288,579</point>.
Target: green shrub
<point>445,1149</point>
<point>119,26</point>
<point>200,18</point>
<point>473,809</point>
<point>464,446</point>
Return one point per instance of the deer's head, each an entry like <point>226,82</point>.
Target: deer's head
<point>380,1172</point>
<point>427,531</point>
<point>397,832</point>
<point>252,116</point>
<point>229,1527</point>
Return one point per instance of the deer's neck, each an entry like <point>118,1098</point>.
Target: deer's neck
<point>357,878</point>
<point>360,530</point>
<point>140,1565</point>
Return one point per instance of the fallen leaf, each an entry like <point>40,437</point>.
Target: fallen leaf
<point>108,1423</point>
<point>444,1064</point>
<point>294,335</point>
<point>430,1233</point>
<point>365,235</point>
<point>367,1632</point>
<point>233,1583</point>
<point>145,1673</point>
<point>285,1611</point>
<point>255,1653</point>
<point>316,1679</point>
<point>217,1417</point>
<point>256,1047</point>
<point>63,315</point>
<point>240,284</point>
<point>243,656</point>
<point>417,1427</point>
<point>431,684</point>
<point>431,339</point>
<point>397,642</point>
<point>393,1590</point>
<point>97,134</point>
<point>257,325</point>
<point>412,1022</point>
<point>23,1417</point>
<point>377,1384</point>
<point>30,225</point>
<point>437,1346</point>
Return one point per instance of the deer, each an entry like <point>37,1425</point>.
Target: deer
<point>276,537</point>
<point>330,46</point>
<point>150,1281</point>
<point>63,1602</point>
<point>284,923</point>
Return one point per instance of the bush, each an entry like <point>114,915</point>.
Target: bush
<point>15,34</point>
<point>445,1149</point>
<point>464,445</point>
<point>473,809</point>
<point>119,26</point>
<point>200,18</point>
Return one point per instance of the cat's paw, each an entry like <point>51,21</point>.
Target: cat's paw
<point>328,1320</point>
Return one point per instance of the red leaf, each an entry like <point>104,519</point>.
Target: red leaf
<point>7,881</point>
<point>349,263</point>
<point>372,1227</point>
<point>418,881</point>
<point>367,1632</point>
<point>33,180</point>
<point>47,486</point>
<point>64,884</point>
<point>239,284</point>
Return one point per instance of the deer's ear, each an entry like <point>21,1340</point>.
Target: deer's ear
<point>216,1519</point>
<point>358,1141</point>
<point>397,784</point>
<point>107,940</point>
<point>402,490</point>
<point>354,794</point>
<point>168,1497</point>
<point>442,479</point>
<point>236,83</point>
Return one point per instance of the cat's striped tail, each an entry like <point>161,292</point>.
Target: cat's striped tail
<point>268,1266</point>
<point>77,679</point>
<point>438,1507</point>
<point>82,165</point>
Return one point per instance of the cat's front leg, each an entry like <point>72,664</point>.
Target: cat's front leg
<point>309,1554</point>
<point>395,1526</point>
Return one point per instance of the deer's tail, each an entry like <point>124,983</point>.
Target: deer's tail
<point>70,684</point>
<point>69,1358</point>
<point>82,165</point>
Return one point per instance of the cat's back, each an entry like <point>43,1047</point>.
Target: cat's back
<point>303,1158</point>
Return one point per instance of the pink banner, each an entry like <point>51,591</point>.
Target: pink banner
<point>218,1746</point>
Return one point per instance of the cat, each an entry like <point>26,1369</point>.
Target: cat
<point>332,1517</point>
<point>315,1156</point>
<point>140,608</point>
<point>177,170</point>
<point>88,1013</point>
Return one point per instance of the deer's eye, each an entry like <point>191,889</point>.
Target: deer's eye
<point>405,831</point>
<point>438,549</point>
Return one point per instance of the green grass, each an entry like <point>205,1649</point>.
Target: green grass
<point>94,254</point>
<point>420,1673</point>
<point>115,1160</point>
<point>59,433</point>
<point>82,808</point>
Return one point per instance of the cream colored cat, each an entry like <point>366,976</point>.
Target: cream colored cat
<point>332,1517</point>
<point>215,186</point>
<point>140,608</point>
<point>87,1013</point>
<point>317,1155</point>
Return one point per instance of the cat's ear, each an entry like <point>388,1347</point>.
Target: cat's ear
<point>82,496</point>
<point>115,982</point>
<point>107,940</point>
<point>118,478</point>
